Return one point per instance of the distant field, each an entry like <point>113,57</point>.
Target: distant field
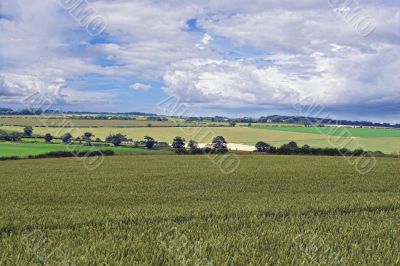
<point>30,121</point>
<point>25,149</point>
<point>181,210</point>
<point>232,134</point>
<point>333,131</point>
<point>59,122</point>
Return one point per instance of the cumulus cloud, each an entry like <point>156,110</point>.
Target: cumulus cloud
<point>17,88</point>
<point>140,87</point>
<point>269,53</point>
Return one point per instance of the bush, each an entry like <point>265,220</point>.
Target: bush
<point>10,136</point>
<point>180,151</point>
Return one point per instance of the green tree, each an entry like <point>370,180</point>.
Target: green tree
<point>178,143</point>
<point>66,138</point>
<point>149,142</point>
<point>262,146</point>
<point>232,123</point>
<point>87,137</point>
<point>219,142</point>
<point>28,131</point>
<point>292,145</point>
<point>193,144</point>
<point>116,139</point>
<point>48,137</point>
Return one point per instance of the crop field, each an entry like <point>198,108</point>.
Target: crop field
<point>243,135</point>
<point>181,210</point>
<point>8,149</point>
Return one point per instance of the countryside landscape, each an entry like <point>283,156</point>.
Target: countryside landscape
<point>199,133</point>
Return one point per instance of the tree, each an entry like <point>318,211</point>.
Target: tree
<point>28,131</point>
<point>219,142</point>
<point>261,146</point>
<point>178,143</point>
<point>193,144</point>
<point>232,123</point>
<point>87,137</point>
<point>149,142</point>
<point>48,137</point>
<point>66,138</point>
<point>292,145</point>
<point>116,139</point>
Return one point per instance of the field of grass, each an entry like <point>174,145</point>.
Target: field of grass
<point>181,210</point>
<point>8,149</point>
<point>345,132</point>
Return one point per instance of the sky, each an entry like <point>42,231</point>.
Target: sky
<point>233,58</point>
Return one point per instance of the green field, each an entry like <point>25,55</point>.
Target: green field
<point>8,149</point>
<point>243,135</point>
<point>181,210</point>
<point>333,131</point>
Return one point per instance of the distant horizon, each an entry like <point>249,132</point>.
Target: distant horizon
<point>395,122</point>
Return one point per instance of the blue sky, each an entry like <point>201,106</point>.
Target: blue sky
<point>219,57</point>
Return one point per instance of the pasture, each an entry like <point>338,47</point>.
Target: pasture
<point>169,210</point>
<point>339,132</point>
<point>8,149</point>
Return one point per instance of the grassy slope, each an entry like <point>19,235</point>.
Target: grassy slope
<point>180,209</point>
<point>24,149</point>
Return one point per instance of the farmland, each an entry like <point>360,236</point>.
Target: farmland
<point>385,140</point>
<point>8,149</point>
<point>168,209</point>
<point>59,122</point>
<point>332,131</point>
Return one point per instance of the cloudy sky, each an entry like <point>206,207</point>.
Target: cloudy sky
<point>235,58</point>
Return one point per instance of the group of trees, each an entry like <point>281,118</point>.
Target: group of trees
<point>10,136</point>
<point>218,145</point>
<point>293,148</point>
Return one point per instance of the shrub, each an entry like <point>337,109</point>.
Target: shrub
<point>261,146</point>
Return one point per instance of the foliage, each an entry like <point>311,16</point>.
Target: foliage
<point>193,144</point>
<point>262,146</point>
<point>28,131</point>
<point>219,142</point>
<point>66,138</point>
<point>48,137</point>
<point>116,139</point>
<point>149,142</point>
<point>87,137</point>
<point>178,143</point>
<point>10,136</point>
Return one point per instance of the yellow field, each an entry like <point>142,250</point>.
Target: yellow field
<point>232,134</point>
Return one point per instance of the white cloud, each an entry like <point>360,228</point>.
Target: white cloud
<point>293,49</point>
<point>140,87</point>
